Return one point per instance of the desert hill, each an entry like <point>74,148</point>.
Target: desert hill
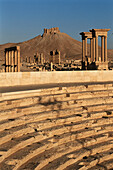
<point>69,47</point>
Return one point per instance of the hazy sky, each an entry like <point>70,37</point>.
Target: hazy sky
<point>21,20</point>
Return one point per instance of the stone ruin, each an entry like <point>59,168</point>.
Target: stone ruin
<point>94,61</point>
<point>39,58</point>
<point>12,59</point>
<point>51,30</point>
<point>54,57</point>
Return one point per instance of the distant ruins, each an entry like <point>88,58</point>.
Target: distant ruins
<point>94,62</point>
<point>53,62</point>
<point>39,58</point>
<point>54,57</point>
<point>12,59</point>
<point>51,30</point>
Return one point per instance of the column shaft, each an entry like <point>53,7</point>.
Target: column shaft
<point>34,61</point>
<point>41,58</point>
<point>12,62</point>
<point>83,51</point>
<point>9,63</point>
<point>105,48</point>
<point>29,59</point>
<point>18,60</point>
<point>58,58</point>
<point>85,47</point>
<point>96,48</point>
<point>6,61</point>
<point>91,50</point>
<point>102,49</point>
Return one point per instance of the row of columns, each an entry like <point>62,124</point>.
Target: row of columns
<point>94,48</point>
<point>93,36</point>
<point>38,58</point>
<point>12,59</point>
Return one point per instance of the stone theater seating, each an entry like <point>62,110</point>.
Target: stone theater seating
<point>57,128</point>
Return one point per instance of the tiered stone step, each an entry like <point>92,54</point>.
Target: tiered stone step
<point>40,96</point>
<point>57,128</point>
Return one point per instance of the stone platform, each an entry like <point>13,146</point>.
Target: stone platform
<point>56,77</point>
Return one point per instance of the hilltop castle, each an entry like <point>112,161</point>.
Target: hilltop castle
<point>51,30</point>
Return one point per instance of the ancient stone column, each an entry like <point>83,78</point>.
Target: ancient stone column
<point>59,57</point>
<point>9,63</point>
<point>51,66</point>
<point>96,48</point>
<point>91,49</point>
<point>41,58</point>
<point>16,61</point>
<point>83,52</point>
<point>29,59</point>
<point>105,48</point>
<point>6,61</point>
<point>53,57</point>
<point>102,48</point>
<point>34,60</point>
<point>12,62</point>
<point>85,47</point>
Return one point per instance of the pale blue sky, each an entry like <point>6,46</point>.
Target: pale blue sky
<point>21,20</point>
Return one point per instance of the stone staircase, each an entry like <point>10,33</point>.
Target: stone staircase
<point>57,128</point>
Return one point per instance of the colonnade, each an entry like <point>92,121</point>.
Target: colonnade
<point>12,59</point>
<point>93,36</point>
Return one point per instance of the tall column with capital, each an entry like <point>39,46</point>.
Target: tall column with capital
<point>102,48</point>
<point>96,48</point>
<point>105,48</point>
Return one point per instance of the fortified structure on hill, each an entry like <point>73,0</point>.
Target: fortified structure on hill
<point>51,30</point>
